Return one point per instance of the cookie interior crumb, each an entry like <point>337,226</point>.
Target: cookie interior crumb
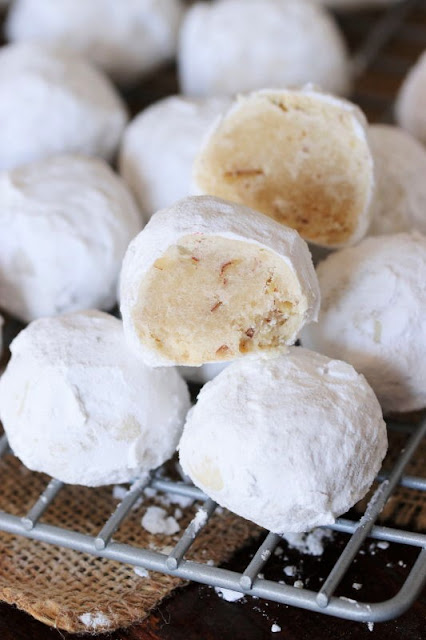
<point>211,298</point>
<point>299,159</point>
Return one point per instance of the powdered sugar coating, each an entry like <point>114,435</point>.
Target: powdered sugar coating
<point>400,170</point>
<point>54,102</point>
<point>78,405</point>
<point>311,422</point>
<point>212,217</point>
<point>159,147</point>
<point>372,316</point>
<point>66,223</point>
<point>127,39</point>
<point>234,45</point>
<point>409,106</point>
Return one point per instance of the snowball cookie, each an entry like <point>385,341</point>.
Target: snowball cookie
<point>203,374</point>
<point>53,102</point>
<point>290,442</point>
<point>409,107</point>
<point>209,280</point>
<point>235,45</point>
<point>77,404</point>
<point>159,147</point>
<point>127,39</point>
<point>299,156</point>
<point>66,223</point>
<point>400,168</point>
<point>373,316</point>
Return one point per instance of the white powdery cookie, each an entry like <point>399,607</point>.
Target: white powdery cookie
<point>239,45</point>
<point>300,156</point>
<point>409,107</point>
<point>54,102</point>
<point>373,316</point>
<point>160,145</point>
<point>400,171</point>
<point>289,442</point>
<point>127,39</point>
<point>65,226</point>
<point>209,280</point>
<point>76,403</point>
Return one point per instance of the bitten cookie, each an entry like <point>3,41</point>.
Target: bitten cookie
<point>229,46</point>
<point>76,404</point>
<point>299,156</point>
<point>54,102</point>
<point>65,225</point>
<point>290,442</point>
<point>160,145</point>
<point>127,39</point>
<point>400,171</point>
<point>409,107</point>
<point>208,280</point>
<point>372,316</point>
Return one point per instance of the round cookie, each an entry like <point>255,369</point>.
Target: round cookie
<point>159,147</point>
<point>400,169</point>
<point>299,421</point>
<point>299,156</point>
<point>372,316</point>
<point>53,102</point>
<point>76,404</point>
<point>127,39</point>
<point>65,225</point>
<point>409,107</point>
<point>209,281</point>
<point>229,46</point>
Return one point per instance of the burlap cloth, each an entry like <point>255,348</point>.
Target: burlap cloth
<point>58,586</point>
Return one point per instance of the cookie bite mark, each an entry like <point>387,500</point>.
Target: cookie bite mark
<point>193,314</point>
<point>209,280</point>
<point>300,157</point>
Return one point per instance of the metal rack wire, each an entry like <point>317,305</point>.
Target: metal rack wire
<point>371,55</point>
<point>249,581</point>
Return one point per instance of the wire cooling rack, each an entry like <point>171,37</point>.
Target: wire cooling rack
<point>250,581</point>
<point>390,42</point>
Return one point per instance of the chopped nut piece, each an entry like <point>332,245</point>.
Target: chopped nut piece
<point>225,266</point>
<point>250,333</point>
<point>243,173</point>
<point>223,350</point>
